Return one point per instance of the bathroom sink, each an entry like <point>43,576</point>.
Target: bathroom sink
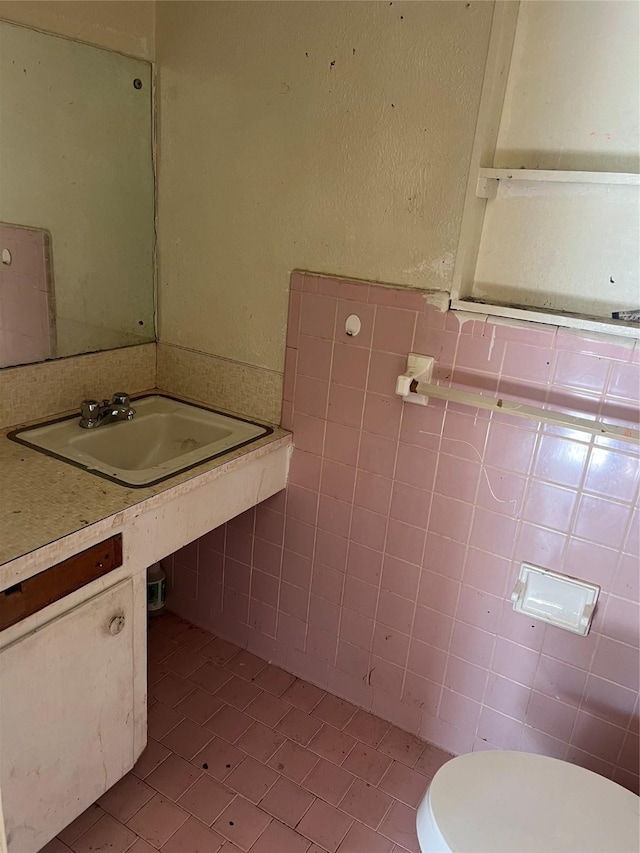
<point>165,437</point>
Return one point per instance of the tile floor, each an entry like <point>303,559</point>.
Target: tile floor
<point>242,756</point>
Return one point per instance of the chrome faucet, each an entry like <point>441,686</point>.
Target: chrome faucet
<point>94,414</point>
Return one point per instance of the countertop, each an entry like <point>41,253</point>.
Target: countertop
<point>43,499</point>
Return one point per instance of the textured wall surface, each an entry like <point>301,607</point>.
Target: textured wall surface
<point>218,382</point>
<point>384,571</point>
<point>124,25</point>
<point>326,136</point>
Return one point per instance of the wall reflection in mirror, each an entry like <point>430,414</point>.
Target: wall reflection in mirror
<point>76,198</point>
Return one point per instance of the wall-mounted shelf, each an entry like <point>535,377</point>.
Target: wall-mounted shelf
<point>565,319</point>
<point>488,179</point>
<point>554,245</point>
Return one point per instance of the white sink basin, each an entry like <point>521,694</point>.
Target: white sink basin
<point>165,437</point>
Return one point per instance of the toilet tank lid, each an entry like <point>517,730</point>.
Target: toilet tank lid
<point>517,802</point>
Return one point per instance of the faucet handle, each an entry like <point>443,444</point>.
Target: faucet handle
<point>89,413</point>
<point>121,398</point>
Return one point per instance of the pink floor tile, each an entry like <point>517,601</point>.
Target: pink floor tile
<point>278,838</point>
<point>401,746</point>
<point>218,758</point>
<point>210,677</point>
<point>242,823</point>
<point>367,763</point>
<point>199,705</point>
<point>238,693</point>
<point>325,825</point>
<point>171,689</point>
<point>193,637</point>
<point>183,662</point>
<point>334,711</point>
<point>153,755</point>
<point>332,744</point>
<point>106,834</point>
<point>366,803</point>
<point>302,766</point>
<point>267,709</point>
<point>157,821</point>
<point>187,738</point>
<point>251,779</point>
<point>126,797</point>
<point>229,723</point>
<point>162,647</point>
<point>293,761</point>
<point>299,726</point>
<point>367,728</point>
<point>328,782</point>
<point>206,799</point>
<point>431,760</point>
<point>261,742</point>
<point>399,825</point>
<point>219,651</point>
<point>56,846</point>
<point>161,720</point>
<point>173,777</point>
<point>245,665</point>
<point>287,802</point>
<point>361,839</point>
<point>404,784</point>
<point>194,837</point>
<point>155,672</point>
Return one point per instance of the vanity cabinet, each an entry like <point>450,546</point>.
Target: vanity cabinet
<point>73,624</point>
<point>66,715</point>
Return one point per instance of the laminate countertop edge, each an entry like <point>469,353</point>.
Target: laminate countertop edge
<point>43,499</point>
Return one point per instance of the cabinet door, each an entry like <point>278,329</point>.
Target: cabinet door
<point>66,716</point>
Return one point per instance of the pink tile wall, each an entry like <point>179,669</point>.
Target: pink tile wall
<point>26,320</point>
<point>384,570</point>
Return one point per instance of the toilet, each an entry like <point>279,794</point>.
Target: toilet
<point>499,801</point>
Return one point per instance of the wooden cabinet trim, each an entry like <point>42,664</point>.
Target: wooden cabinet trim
<point>31,595</point>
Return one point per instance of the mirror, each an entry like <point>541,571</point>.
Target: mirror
<point>76,198</point>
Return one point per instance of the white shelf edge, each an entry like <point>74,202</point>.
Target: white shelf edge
<point>533,315</point>
<point>558,176</point>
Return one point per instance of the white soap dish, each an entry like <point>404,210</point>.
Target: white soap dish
<point>558,599</point>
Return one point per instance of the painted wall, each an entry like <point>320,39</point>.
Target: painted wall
<point>124,25</point>
<point>567,105</point>
<point>326,136</point>
<point>384,572</point>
